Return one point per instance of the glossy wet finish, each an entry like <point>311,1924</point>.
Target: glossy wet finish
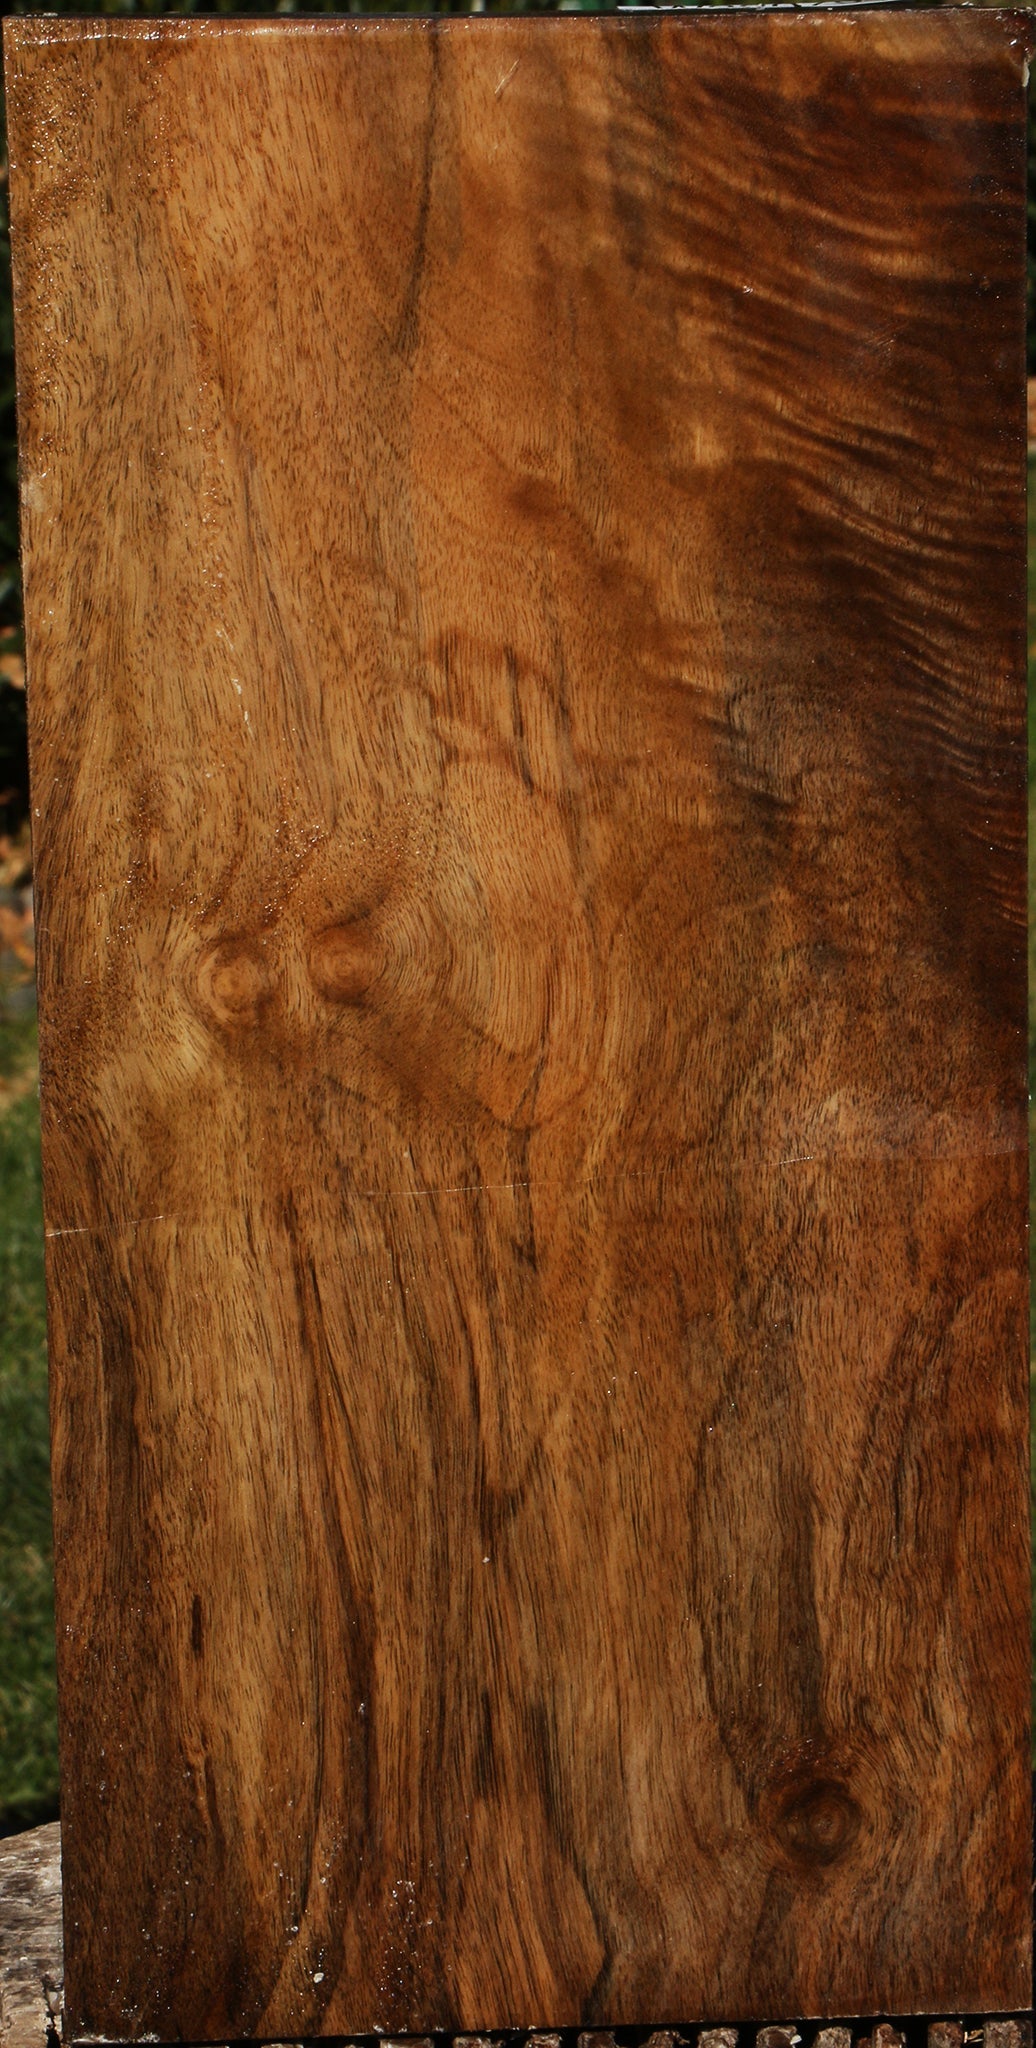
<point>525,552</point>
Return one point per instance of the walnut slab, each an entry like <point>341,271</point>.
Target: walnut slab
<point>524,548</point>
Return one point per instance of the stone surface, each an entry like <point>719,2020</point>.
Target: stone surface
<point>1007,2034</point>
<point>30,1936</point>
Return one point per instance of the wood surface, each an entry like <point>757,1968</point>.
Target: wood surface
<point>31,1983</point>
<point>524,548</point>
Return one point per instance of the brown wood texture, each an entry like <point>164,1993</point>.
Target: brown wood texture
<point>31,1980</point>
<point>31,1973</point>
<point>523,526</point>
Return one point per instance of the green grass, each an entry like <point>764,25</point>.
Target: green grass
<point>28,1733</point>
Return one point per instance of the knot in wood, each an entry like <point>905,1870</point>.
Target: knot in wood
<point>344,960</point>
<point>817,1823</point>
<point>234,981</point>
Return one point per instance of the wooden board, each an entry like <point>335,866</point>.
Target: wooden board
<point>31,1982</point>
<point>525,556</point>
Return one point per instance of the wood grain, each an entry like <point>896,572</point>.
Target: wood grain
<point>31,1983</point>
<point>524,538</point>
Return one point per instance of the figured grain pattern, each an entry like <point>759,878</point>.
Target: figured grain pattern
<point>524,541</point>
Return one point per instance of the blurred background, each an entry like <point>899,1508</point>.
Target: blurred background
<point>28,1732</point>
